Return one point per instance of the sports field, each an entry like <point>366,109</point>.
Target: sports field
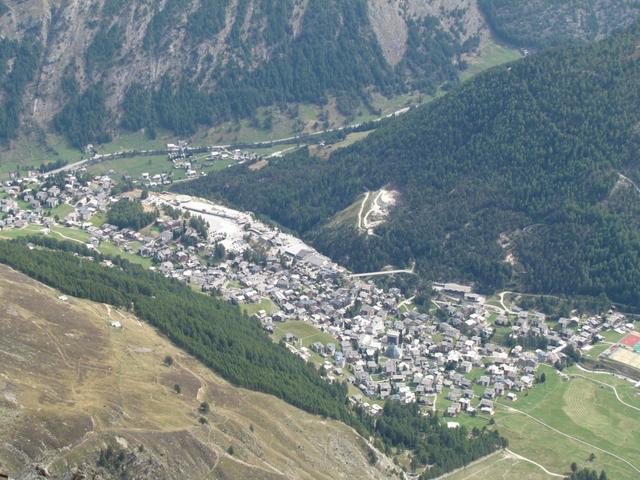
<point>626,351</point>
<point>628,357</point>
<point>632,340</point>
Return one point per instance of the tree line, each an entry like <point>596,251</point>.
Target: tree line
<point>236,347</point>
<point>545,23</point>
<point>529,154</point>
<point>24,57</point>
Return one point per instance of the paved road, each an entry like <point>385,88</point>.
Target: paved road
<point>66,168</point>
<point>381,273</point>
<point>617,375</point>
<point>397,113</point>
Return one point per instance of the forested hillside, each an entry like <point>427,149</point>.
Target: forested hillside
<point>90,69</point>
<point>524,175</point>
<point>236,347</point>
<point>544,23</point>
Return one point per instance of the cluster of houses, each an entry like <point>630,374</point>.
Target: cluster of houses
<point>182,157</point>
<point>29,200</point>
<point>383,346</point>
<point>384,349</point>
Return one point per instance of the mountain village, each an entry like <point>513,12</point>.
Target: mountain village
<point>450,357</point>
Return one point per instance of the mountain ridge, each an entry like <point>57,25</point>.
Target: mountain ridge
<point>118,45</point>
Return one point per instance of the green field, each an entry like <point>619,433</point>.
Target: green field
<point>62,232</point>
<point>98,219</point>
<point>108,248</point>
<point>61,210</point>
<point>596,350</point>
<point>627,392</point>
<point>137,141</point>
<point>501,466</point>
<point>11,233</point>
<point>493,55</point>
<point>133,166</point>
<point>74,235</point>
<point>136,166</point>
<point>612,336</point>
<point>307,333</point>
<point>70,233</point>
<point>265,304</point>
<point>27,153</point>
<point>582,409</point>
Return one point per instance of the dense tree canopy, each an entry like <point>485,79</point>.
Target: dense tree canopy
<point>542,23</point>
<point>127,213</point>
<point>83,119</point>
<point>236,347</point>
<point>403,426</point>
<point>536,159</point>
<point>336,53</point>
<point>18,64</point>
<point>587,474</point>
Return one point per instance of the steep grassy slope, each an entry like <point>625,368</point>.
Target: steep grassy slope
<point>524,174</point>
<point>71,386</point>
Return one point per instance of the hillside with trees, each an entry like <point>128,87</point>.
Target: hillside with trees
<point>544,23</point>
<point>236,347</point>
<point>525,176</point>
<point>102,67</point>
<point>127,213</point>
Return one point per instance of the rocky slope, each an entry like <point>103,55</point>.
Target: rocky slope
<point>210,42</point>
<point>543,23</point>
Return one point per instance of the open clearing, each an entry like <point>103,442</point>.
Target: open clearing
<point>74,235</point>
<point>570,418</point>
<point>493,55</point>
<point>305,332</point>
<point>627,391</point>
<point>70,384</point>
<point>502,466</point>
<point>265,304</point>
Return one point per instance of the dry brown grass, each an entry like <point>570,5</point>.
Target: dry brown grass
<point>70,383</point>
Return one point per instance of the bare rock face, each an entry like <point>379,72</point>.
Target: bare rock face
<point>390,27</point>
<point>119,42</point>
<point>389,20</point>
